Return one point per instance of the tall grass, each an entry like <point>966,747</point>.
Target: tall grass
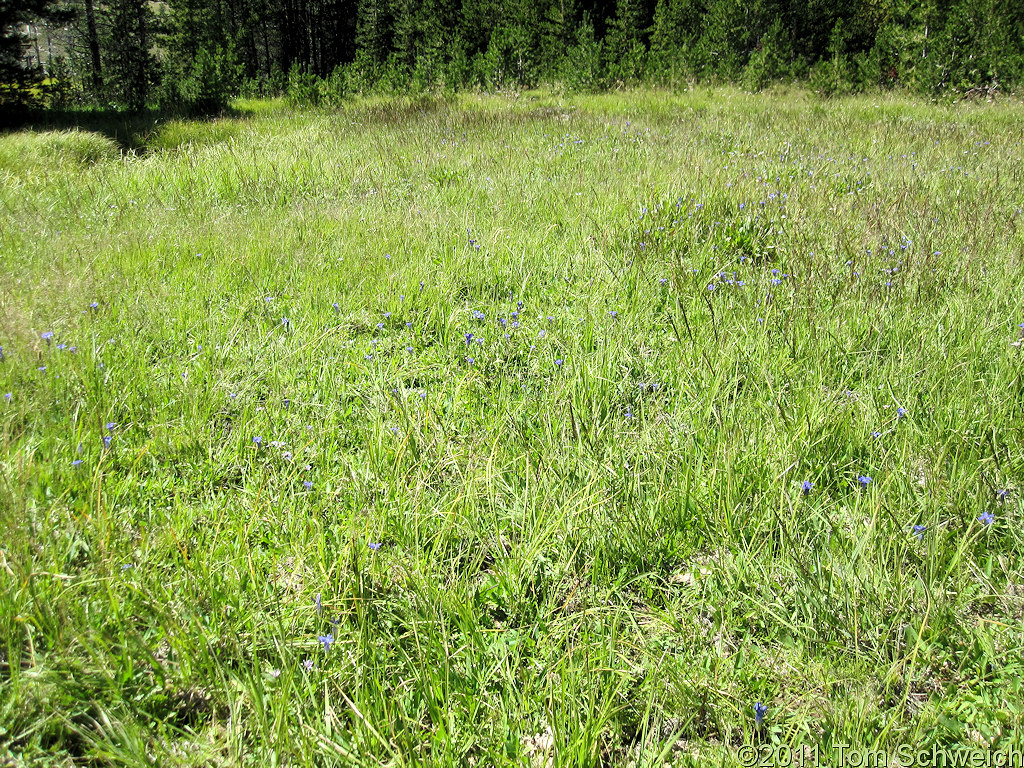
<point>513,431</point>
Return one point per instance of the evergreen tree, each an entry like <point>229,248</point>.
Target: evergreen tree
<point>130,66</point>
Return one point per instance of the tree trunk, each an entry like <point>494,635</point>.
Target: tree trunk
<point>94,46</point>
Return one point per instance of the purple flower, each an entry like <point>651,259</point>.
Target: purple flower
<point>374,545</point>
<point>111,426</point>
<point>308,664</point>
<point>1000,494</point>
<point>8,396</point>
<point>258,441</point>
<point>326,640</point>
<point>901,412</point>
<point>47,335</point>
<point>106,441</point>
<point>308,485</point>
<point>864,481</point>
<point>94,305</point>
<point>559,362</point>
<point>806,487</point>
<point>919,531</point>
<point>469,338</point>
<point>318,604</point>
<point>336,307</point>
<point>76,462</point>
<point>760,710</point>
<point>987,518</point>
<point>470,360</point>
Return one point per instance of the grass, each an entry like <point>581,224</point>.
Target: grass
<point>266,502</point>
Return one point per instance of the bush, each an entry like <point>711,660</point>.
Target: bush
<point>205,87</point>
<point>303,87</point>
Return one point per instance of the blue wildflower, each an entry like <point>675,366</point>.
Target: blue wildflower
<point>901,413</point>
<point>919,531</point>
<point>374,545</point>
<point>111,426</point>
<point>559,362</point>
<point>326,640</point>
<point>258,441</point>
<point>760,710</point>
<point>47,335</point>
<point>106,441</point>
<point>864,481</point>
<point>806,487</point>
<point>318,603</point>
<point>76,462</point>
<point>987,518</point>
<point>307,484</point>
<point>308,664</point>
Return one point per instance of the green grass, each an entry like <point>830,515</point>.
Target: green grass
<point>594,544</point>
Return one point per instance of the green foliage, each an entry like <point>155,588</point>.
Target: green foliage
<point>772,59</point>
<point>305,89</point>
<point>206,87</point>
<point>130,68</point>
<point>583,67</point>
<point>208,51</point>
<point>624,46</point>
<point>510,60</point>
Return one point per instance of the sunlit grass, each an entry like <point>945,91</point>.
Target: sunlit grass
<point>475,431</point>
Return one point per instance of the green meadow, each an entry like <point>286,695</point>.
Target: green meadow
<point>533,430</point>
